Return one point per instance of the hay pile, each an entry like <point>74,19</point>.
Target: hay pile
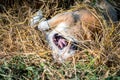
<point>17,38</point>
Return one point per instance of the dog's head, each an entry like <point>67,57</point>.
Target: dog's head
<point>62,43</point>
<point>60,40</point>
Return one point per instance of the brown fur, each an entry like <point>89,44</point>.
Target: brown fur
<point>86,21</point>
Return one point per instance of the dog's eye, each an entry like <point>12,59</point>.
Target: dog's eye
<point>74,46</point>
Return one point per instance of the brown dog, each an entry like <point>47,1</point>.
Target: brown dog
<point>70,28</point>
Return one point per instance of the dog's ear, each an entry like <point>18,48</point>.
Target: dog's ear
<point>88,18</point>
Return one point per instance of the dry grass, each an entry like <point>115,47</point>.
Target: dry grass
<point>25,55</point>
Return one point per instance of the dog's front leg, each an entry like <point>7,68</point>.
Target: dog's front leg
<point>55,21</point>
<point>36,18</point>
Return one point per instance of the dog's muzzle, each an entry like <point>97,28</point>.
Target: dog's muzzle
<point>62,42</point>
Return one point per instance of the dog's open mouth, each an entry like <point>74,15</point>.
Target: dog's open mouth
<point>60,41</point>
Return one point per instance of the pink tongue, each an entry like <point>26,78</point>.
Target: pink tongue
<point>62,43</point>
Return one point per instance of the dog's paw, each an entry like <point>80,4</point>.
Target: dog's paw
<point>36,18</point>
<point>42,26</point>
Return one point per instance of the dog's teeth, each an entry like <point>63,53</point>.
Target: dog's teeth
<point>62,43</point>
